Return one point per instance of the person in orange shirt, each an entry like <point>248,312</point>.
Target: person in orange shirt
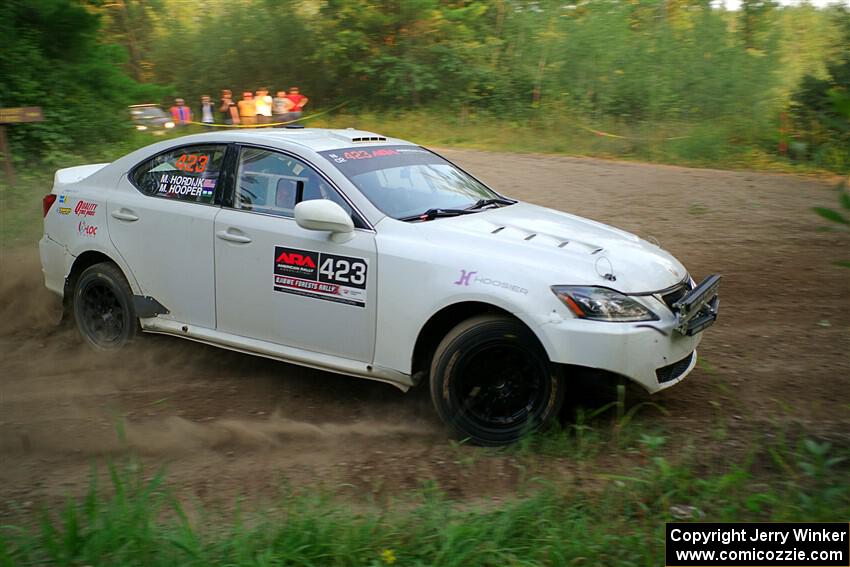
<point>180,113</point>
<point>247,108</point>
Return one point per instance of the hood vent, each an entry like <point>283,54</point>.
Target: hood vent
<point>527,234</point>
<point>369,139</point>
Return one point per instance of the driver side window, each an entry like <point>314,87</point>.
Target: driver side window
<point>273,183</point>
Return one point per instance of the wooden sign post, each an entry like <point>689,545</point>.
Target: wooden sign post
<point>15,116</point>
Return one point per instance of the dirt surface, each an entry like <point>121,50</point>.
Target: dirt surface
<point>228,425</point>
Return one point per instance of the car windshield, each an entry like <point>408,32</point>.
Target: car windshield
<point>404,181</point>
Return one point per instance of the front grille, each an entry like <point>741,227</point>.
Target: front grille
<point>677,293</point>
<point>673,371</point>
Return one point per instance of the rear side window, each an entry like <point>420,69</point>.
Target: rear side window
<point>190,173</point>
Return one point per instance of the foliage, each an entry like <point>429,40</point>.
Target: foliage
<point>722,77</point>
<point>836,216</point>
<point>821,109</point>
<point>51,58</point>
<point>714,81</point>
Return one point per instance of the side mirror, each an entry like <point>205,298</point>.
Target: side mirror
<point>323,214</point>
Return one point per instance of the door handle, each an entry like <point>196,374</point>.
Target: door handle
<point>233,237</point>
<point>125,215</point>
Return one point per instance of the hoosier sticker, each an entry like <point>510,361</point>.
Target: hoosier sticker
<point>329,277</point>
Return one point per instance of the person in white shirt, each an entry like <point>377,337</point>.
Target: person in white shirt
<point>263,103</point>
<point>207,110</point>
<point>281,106</point>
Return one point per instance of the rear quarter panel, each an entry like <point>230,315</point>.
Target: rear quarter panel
<point>77,224</point>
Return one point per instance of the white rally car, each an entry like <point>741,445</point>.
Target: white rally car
<point>358,254</point>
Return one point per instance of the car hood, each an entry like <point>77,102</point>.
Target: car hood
<point>573,249</point>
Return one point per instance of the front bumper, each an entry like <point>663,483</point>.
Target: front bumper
<point>639,351</point>
<point>655,354</point>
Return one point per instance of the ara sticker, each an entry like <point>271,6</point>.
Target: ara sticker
<point>329,277</point>
<point>64,210</point>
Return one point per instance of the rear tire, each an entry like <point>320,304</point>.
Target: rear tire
<point>103,307</point>
<point>492,382</point>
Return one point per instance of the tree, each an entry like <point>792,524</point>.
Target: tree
<point>51,58</point>
<point>821,107</point>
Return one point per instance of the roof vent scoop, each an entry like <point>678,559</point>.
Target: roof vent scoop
<point>353,136</point>
<point>369,139</point>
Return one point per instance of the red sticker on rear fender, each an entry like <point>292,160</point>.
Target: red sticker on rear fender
<point>85,209</point>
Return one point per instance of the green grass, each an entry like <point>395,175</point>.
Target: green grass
<point>605,518</point>
<point>20,210</point>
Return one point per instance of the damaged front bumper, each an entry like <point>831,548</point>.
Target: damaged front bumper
<point>697,310</point>
<point>654,354</point>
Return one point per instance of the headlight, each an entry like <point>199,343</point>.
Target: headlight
<point>602,304</point>
<point>169,124</point>
<point>141,127</point>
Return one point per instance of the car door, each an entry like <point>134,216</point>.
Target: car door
<point>278,282</point>
<point>161,222</point>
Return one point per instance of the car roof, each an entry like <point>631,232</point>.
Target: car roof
<point>316,139</point>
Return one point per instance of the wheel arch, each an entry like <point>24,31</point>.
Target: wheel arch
<point>443,321</point>
<point>85,260</point>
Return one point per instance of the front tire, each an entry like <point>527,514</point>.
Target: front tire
<point>103,307</point>
<point>492,382</point>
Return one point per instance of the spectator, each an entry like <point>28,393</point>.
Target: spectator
<point>263,105</point>
<point>228,109</point>
<point>247,109</point>
<point>281,107</point>
<point>207,110</point>
<point>298,102</point>
<point>180,113</point>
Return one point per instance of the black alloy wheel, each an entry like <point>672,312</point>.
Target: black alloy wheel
<point>103,307</point>
<point>492,382</point>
